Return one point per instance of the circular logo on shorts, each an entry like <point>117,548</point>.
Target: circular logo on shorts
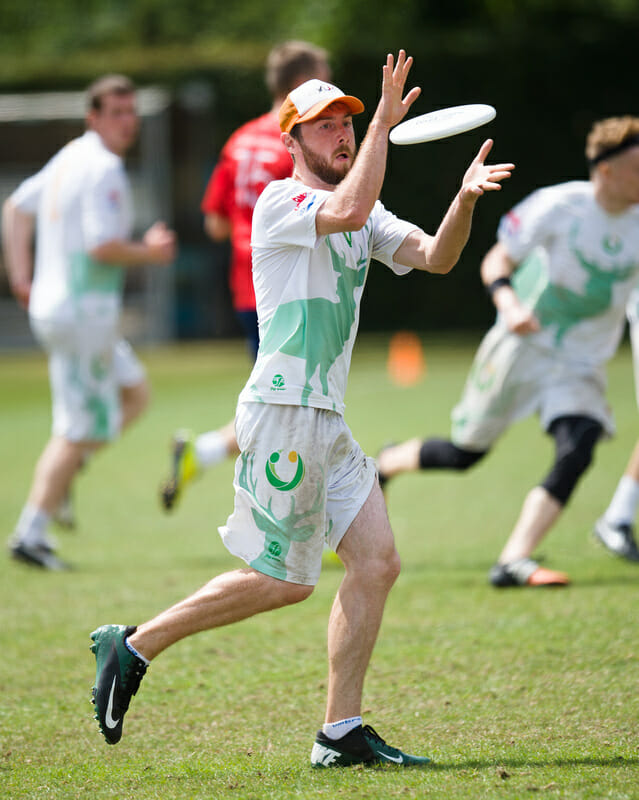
<point>283,484</point>
<point>275,549</point>
<point>278,381</point>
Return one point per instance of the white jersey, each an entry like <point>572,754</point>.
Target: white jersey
<point>81,199</point>
<point>578,266</point>
<point>308,290</point>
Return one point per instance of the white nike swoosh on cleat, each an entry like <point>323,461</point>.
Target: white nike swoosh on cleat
<point>110,722</point>
<point>395,759</point>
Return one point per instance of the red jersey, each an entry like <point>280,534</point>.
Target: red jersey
<point>253,157</point>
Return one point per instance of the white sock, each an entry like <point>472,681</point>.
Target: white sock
<point>623,506</point>
<point>132,649</point>
<point>335,730</point>
<point>210,448</point>
<point>31,528</point>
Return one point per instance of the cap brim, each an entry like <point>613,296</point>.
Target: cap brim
<point>354,105</point>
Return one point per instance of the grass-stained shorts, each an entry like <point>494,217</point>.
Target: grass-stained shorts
<point>300,480</point>
<point>511,378</point>
<point>87,366</point>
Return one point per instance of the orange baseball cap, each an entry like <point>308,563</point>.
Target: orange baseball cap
<point>309,100</point>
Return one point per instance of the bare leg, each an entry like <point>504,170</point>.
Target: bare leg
<point>538,513</point>
<point>400,458</point>
<point>54,471</point>
<point>632,470</point>
<point>371,567</point>
<point>228,598</point>
<point>61,459</point>
<point>134,400</point>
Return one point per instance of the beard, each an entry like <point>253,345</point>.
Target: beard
<point>322,167</point>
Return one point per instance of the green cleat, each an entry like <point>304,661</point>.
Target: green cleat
<point>117,678</point>
<point>362,745</point>
<point>184,468</point>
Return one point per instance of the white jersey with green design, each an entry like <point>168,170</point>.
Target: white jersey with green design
<point>81,199</point>
<point>577,267</point>
<point>308,290</point>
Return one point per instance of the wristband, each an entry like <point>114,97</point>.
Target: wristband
<point>492,287</point>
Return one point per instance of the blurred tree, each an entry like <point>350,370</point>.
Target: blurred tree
<point>44,39</point>
<point>550,67</point>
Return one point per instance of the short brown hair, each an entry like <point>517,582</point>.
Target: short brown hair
<point>108,84</point>
<point>609,134</point>
<point>290,63</point>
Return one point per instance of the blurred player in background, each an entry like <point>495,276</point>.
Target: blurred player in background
<point>79,207</point>
<point>301,478</point>
<point>615,529</point>
<point>572,251</point>
<point>253,157</point>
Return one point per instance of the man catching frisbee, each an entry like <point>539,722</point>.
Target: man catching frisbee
<point>301,479</point>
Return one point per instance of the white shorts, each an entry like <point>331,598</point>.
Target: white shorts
<point>87,366</point>
<point>511,379</point>
<point>300,481</point>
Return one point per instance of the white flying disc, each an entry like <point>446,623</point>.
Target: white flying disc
<point>442,123</point>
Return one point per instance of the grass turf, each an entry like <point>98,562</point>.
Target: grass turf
<point>513,693</point>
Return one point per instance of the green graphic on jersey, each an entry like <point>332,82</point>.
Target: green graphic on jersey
<point>316,329</point>
<point>612,245</point>
<point>88,275</point>
<point>279,532</point>
<point>560,306</point>
<point>274,479</point>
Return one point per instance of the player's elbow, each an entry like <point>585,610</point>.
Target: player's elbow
<point>441,267</point>
<point>216,227</point>
<point>355,218</point>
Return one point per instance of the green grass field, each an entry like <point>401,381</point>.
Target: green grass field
<point>514,693</point>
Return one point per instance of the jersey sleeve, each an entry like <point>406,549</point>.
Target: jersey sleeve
<point>388,234</point>
<point>105,207</point>
<point>529,224</point>
<point>27,196</point>
<point>285,215</point>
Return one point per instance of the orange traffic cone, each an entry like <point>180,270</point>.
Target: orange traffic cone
<point>406,363</point>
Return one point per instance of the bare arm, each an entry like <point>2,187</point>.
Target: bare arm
<point>158,246</point>
<point>498,264</point>
<point>350,205</point>
<point>17,240</point>
<point>217,227</point>
<point>440,253</point>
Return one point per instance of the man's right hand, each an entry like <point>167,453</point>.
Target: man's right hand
<point>162,244</point>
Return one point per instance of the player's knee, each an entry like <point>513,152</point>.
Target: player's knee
<point>575,439</point>
<point>380,568</point>
<point>135,399</point>
<point>464,459</point>
<point>293,593</point>
<point>443,454</point>
<point>387,567</point>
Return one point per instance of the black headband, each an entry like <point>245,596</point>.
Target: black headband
<point>615,150</point>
